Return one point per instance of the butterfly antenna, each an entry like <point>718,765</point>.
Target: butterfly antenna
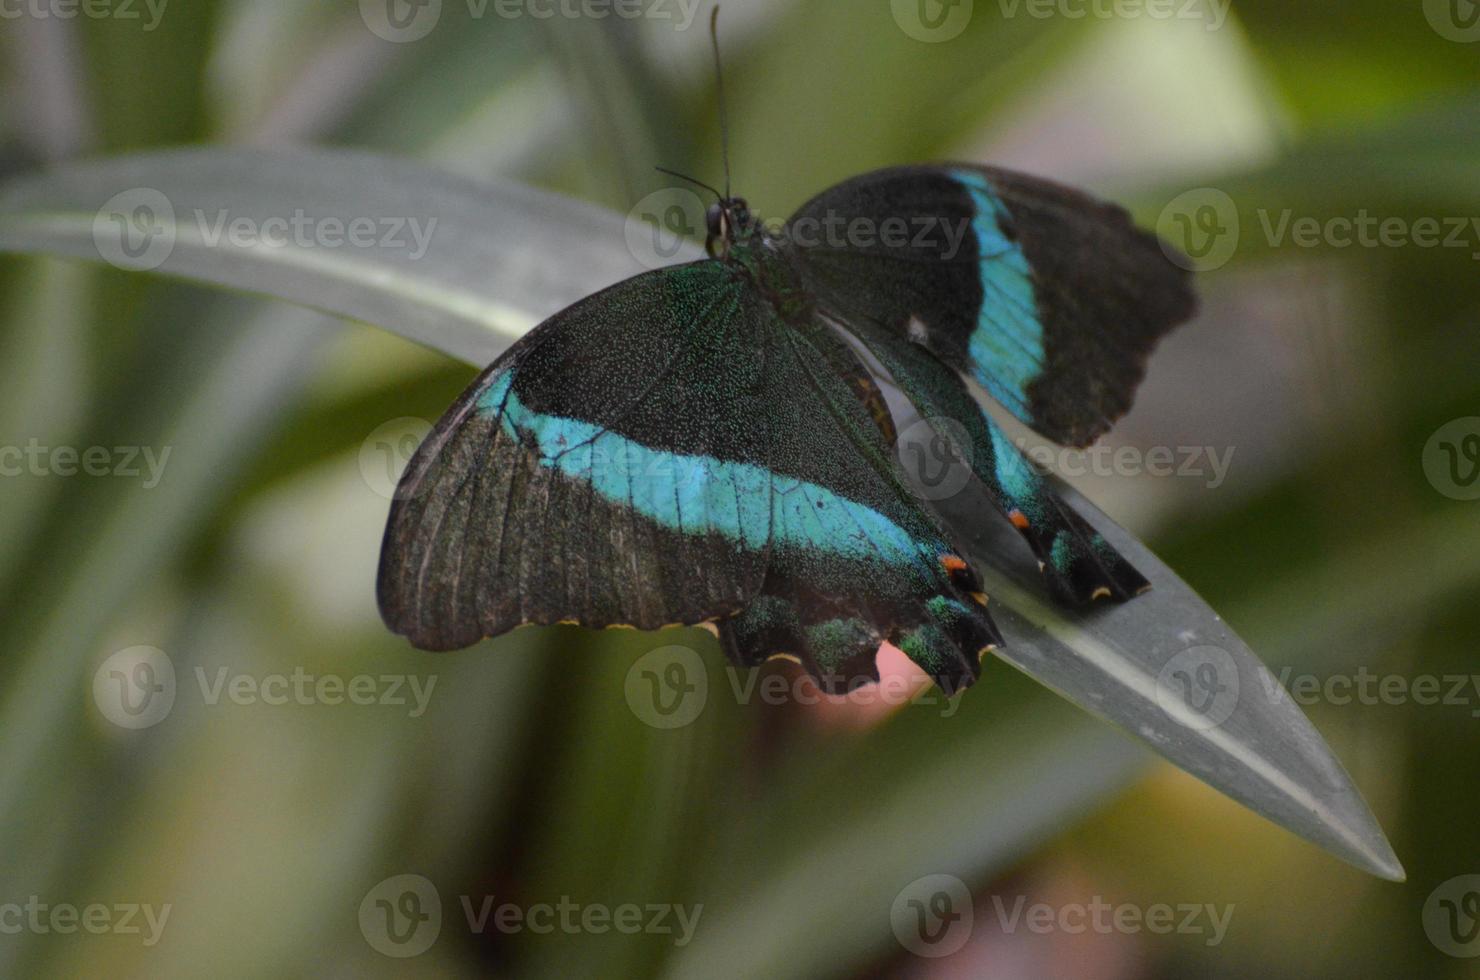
<point>719,84</point>
<point>724,122</point>
<point>692,180</point>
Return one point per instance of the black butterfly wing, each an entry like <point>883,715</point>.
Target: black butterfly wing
<point>529,504</point>
<point>855,558</point>
<point>667,452</point>
<point>1050,298</point>
<point>1079,564</point>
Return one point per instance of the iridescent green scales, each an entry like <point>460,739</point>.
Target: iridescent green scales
<point>703,445</point>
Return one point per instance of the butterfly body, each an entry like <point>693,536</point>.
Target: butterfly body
<point>703,444</point>
<point>739,238</point>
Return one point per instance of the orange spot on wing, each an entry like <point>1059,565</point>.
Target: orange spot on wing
<point>1019,520</point>
<point>953,563</point>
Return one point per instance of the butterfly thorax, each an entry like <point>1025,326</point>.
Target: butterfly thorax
<point>739,238</point>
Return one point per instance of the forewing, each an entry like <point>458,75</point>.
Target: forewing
<point>593,474</point>
<point>1050,298</point>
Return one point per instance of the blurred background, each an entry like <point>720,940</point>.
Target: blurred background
<point>1321,412</point>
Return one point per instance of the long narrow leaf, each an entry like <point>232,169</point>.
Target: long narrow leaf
<point>499,258</point>
<point>457,265</point>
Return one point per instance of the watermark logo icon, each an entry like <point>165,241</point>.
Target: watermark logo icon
<point>1454,20</point>
<point>387,451</point>
<point>937,454</point>
<point>401,21</point>
<point>667,687</point>
<point>932,21</point>
<point>933,916</point>
<point>148,14</point>
<point>135,230</point>
<point>1451,459</point>
<point>1451,916</point>
<point>663,223</point>
<point>135,687</point>
<point>1199,687</point>
<point>401,916</point>
<point>1199,229</point>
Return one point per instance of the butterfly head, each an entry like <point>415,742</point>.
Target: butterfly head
<point>730,222</point>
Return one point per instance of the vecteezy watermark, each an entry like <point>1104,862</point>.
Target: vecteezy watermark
<point>661,225</point>
<point>96,918</point>
<point>139,228</point>
<point>124,462</point>
<point>1203,919</point>
<point>937,455</point>
<point>1454,20</point>
<point>1451,459</point>
<point>1213,14</point>
<point>410,691</point>
<point>135,229</point>
<point>300,230</point>
<point>149,12</point>
<point>933,916</point>
<point>569,917</point>
<point>1202,229</point>
<point>669,688</point>
<point>1368,688</point>
<point>387,451</point>
<point>137,688</point>
<point>403,21</point>
<point>1199,687</point>
<point>402,917</point>
<point>749,686</point>
<point>1451,917</point>
<point>927,235</point>
<point>1206,463</point>
<point>932,21</point>
<point>1199,229</point>
<point>1367,230</point>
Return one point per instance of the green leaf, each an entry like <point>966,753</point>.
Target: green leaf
<point>450,263</point>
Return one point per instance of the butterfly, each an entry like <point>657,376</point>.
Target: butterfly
<point>707,445</point>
